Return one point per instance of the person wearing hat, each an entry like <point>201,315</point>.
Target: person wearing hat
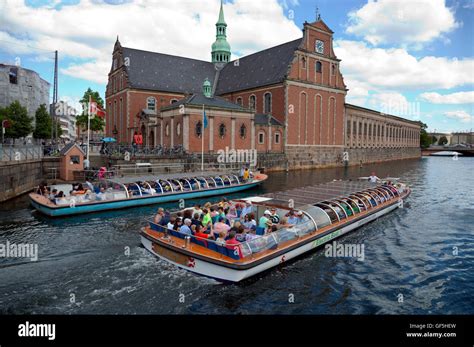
<point>292,219</point>
<point>265,220</point>
<point>299,216</point>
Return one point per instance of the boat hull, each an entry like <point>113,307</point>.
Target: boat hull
<point>227,274</point>
<point>61,211</point>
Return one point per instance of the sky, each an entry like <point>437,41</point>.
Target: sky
<point>411,58</point>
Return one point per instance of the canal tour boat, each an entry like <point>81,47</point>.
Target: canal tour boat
<point>328,211</point>
<point>123,192</point>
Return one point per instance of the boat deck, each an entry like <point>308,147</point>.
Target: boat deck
<point>317,193</point>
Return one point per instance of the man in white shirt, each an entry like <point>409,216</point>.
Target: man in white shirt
<point>246,210</point>
<point>373,178</point>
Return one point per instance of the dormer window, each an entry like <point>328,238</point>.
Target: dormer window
<point>151,103</point>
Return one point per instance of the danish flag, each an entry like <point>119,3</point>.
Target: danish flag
<point>95,108</point>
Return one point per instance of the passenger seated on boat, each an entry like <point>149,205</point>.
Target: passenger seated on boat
<point>231,213</point>
<point>186,227</point>
<point>232,243</point>
<point>249,221</point>
<point>171,222</point>
<point>221,239</point>
<point>283,223</point>
<point>274,217</point>
<point>263,221</point>
<point>53,194</point>
<point>220,213</point>
<point>246,175</point>
<point>292,218</point>
<point>195,220</point>
<point>240,234</point>
<point>59,197</point>
<point>197,209</point>
<point>299,217</point>
<point>177,224</point>
<point>246,210</point>
<point>203,235</point>
<point>206,217</point>
<point>250,235</point>
<point>101,194</point>
<point>223,203</point>
<point>159,216</point>
<point>354,206</point>
<point>78,190</point>
<point>339,211</point>
<point>221,225</point>
<point>347,209</point>
<point>188,214</point>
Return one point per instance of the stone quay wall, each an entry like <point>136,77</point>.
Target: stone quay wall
<point>19,177</point>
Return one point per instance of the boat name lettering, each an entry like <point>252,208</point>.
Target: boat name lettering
<point>326,238</point>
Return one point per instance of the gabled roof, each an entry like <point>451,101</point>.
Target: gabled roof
<point>322,26</point>
<point>200,99</point>
<point>169,73</point>
<point>259,69</point>
<point>68,147</point>
<point>262,119</point>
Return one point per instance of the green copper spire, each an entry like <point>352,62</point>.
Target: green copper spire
<point>221,48</point>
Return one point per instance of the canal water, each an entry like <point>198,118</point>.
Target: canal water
<point>417,260</point>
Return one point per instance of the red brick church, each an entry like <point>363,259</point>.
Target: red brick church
<point>277,100</point>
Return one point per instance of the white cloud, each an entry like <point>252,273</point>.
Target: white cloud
<point>460,115</point>
<point>401,22</point>
<point>87,31</point>
<point>453,98</point>
<point>396,69</point>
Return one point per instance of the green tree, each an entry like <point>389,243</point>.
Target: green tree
<point>42,124</point>
<point>425,139</point>
<point>20,121</point>
<point>443,140</point>
<point>434,139</point>
<point>97,123</point>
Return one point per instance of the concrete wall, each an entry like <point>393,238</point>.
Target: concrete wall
<point>19,177</point>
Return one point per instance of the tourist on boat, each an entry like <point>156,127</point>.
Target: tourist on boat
<point>221,225</point>
<point>232,243</point>
<point>373,178</point>
<point>221,239</point>
<point>195,220</point>
<point>197,209</point>
<point>159,216</point>
<point>240,234</point>
<point>249,221</point>
<point>247,209</point>
<point>263,221</point>
<point>300,217</point>
<point>206,220</point>
<point>187,214</point>
<point>178,224</point>
<point>101,194</point>
<point>60,196</point>
<point>171,222</point>
<point>101,174</point>
<point>292,218</point>
<point>274,217</point>
<point>221,213</point>
<point>186,227</point>
<point>231,213</point>
<point>250,235</point>
<point>242,170</point>
<point>53,194</point>
<point>246,175</point>
<point>223,203</point>
<point>202,234</point>
<point>338,211</point>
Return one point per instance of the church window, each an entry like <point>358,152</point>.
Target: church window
<point>243,131</point>
<point>222,130</point>
<point>198,129</point>
<point>151,103</point>
<point>303,62</point>
<point>261,138</point>
<point>252,100</point>
<point>167,130</point>
<point>178,129</point>
<point>277,137</point>
<point>319,67</point>
<point>239,101</point>
<point>173,101</point>
<point>267,103</point>
<point>333,69</point>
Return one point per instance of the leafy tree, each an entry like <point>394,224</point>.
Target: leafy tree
<point>425,139</point>
<point>43,123</point>
<point>20,121</point>
<point>97,123</point>
<point>443,140</point>
<point>434,139</point>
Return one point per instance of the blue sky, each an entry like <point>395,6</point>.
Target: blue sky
<point>413,59</point>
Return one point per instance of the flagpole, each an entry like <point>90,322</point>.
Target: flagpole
<point>202,140</point>
<point>88,127</point>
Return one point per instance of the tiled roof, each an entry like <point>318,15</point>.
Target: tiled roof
<point>200,99</point>
<point>262,119</point>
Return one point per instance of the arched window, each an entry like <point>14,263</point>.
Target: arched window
<point>239,101</point>
<point>243,131</point>
<point>178,129</point>
<point>167,130</point>
<point>151,103</point>
<point>198,129</point>
<point>252,102</point>
<point>261,137</point>
<point>319,67</point>
<point>267,103</point>
<point>222,130</point>
<point>172,101</point>
<point>303,62</point>
<point>333,70</point>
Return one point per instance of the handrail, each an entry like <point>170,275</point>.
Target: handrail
<point>342,208</point>
<point>159,184</point>
<point>342,201</point>
<point>337,215</point>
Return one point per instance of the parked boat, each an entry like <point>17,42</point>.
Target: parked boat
<point>446,154</point>
<point>118,193</point>
<point>328,212</point>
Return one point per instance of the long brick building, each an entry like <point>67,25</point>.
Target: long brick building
<point>286,99</point>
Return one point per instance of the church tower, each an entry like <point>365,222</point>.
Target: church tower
<point>221,48</point>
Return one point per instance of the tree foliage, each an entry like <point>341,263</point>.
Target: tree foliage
<point>97,123</point>
<point>42,123</point>
<point>21,123</point>
<point>443,141</point>
<point>425,139</point>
